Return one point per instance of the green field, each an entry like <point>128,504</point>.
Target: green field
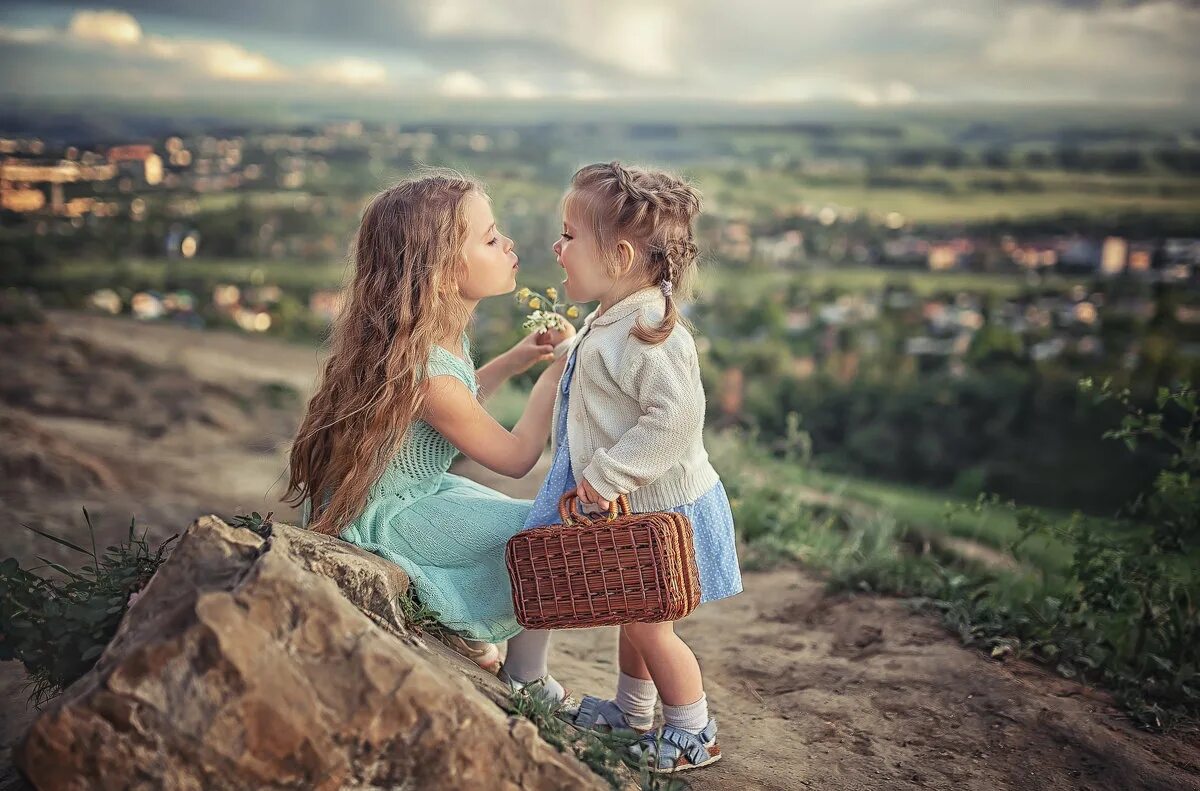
<point>162,274</point>
<point>765,191</point>
<point>852,279</point>
<point>305,275</point>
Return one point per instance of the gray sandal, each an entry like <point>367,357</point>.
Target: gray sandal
<point>676,750</point>
<point>587,717</point>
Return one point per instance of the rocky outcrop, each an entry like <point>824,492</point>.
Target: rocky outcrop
<point>276,663</point>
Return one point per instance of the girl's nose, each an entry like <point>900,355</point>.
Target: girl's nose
<point>557,247</point>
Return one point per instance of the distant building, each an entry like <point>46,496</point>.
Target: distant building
<point>736,242</point>
<point>1141,256</point>
<point>1035,255</point>
<point>1113,255</point>
<point>953,254</point>
<point>1080,255</point>
<point>138,160</point>
<point>21,199</point>
<point>1181,259</point>
<point>786,248</point>
<point>1182,251</point>
<point>906,249</point>
<point>77,207</point>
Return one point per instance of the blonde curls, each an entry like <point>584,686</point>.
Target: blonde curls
<point>403,298</point>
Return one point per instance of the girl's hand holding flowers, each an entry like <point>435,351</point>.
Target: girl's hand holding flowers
<point>545,318</point>
<point>537,347</point>
<point>545,326</point>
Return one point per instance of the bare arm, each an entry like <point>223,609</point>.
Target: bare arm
<point>460,417</point>
<point>494,374</point>
<point>535,348</point>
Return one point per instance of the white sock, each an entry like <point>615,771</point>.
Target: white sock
<point>527,652</point>
<point>691,718</point>
<point>636,698</point>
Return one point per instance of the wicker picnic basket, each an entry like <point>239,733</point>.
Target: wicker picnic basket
<point>603,569</point>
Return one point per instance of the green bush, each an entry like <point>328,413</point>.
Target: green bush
<point>1114,602</point>
<point>58,625</point>
<point>1129,614</point>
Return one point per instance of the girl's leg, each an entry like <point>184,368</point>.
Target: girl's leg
<point>527,655</point>
<point>675,672</point>
<point>671,663</point>
<point>636,694</point>
<point>629,659</point>
<point>525,662</point>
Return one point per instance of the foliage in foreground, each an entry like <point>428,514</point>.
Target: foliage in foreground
<point>1123,611</point>
<point>58,624</point>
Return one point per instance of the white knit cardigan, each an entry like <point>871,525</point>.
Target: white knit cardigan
<point>636,415</point>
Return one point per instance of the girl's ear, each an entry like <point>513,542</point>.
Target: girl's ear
<point>625,257</point>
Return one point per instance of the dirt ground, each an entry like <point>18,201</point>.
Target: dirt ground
<point>810,690</point>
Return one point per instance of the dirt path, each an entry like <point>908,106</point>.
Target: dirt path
<point>810,691</point>
<point>859,693</point>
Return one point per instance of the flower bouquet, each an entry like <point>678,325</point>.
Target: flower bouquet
<point>545,307</point>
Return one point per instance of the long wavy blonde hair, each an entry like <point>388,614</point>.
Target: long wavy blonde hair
<point>408,258</point>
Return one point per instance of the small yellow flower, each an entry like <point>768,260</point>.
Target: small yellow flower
<point>552,294</point>
<point>535,303</point>
<point>523,295</point>
<point>572,312</point>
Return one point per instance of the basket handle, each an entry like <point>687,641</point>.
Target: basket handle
<point>570,512</point>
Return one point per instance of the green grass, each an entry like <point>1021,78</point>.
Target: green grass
<point>223,201</point>
<point>928,511</point>
<point>853,279</point>
<point>155,273</point>
<point>604,754</point>
<point>764,191</point>
<point>1068,591</point>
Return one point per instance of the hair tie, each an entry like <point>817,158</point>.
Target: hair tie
<point>665,287</point>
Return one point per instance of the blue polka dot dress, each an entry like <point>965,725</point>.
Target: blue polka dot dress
<point>710,515</point>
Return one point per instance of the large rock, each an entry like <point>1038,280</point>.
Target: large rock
<point>280,663</point>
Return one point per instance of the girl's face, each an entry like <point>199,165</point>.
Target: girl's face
<point>578,253</point>
<point>491,264</point>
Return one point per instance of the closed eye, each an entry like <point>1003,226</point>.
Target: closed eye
<point>494,240</point>
<point>565,236</point>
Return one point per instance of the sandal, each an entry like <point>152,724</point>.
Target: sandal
<point>486,655</point>
<point>566,703</point>
<point>587,717</point>
<point>676,750</point>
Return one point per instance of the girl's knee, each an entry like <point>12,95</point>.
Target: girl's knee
<point>646,632</point>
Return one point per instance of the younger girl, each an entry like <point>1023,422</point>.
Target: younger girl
<point>400,397</point>
<point>628,420</point>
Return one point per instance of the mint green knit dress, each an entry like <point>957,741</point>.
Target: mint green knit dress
<point>447,532</point>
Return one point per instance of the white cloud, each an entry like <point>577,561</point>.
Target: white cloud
<point>873,52</point>
<point>515,88</point>
<point>26,35</point>
<point>229,61</point>
<point>893,93</point>
<point>351,72</point>
<point>637,36</point>
<point>119,35</point>
<point>462,85</point>
<point>1145,51</point>
<point>805,88</point>
<point>115,28</point>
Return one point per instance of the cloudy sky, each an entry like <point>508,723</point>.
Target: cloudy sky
<point>869,52</point>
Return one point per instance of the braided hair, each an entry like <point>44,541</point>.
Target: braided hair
<point>654,212</point>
